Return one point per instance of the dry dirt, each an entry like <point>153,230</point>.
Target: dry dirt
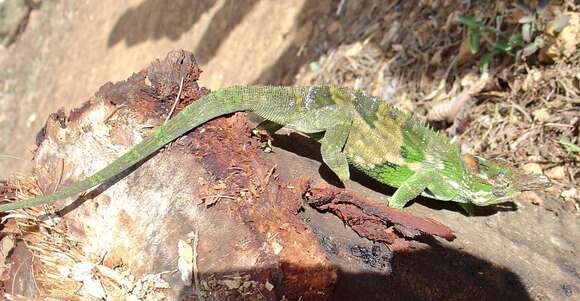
<point>68,49</point>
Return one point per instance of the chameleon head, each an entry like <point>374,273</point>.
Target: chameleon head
<point>491,182</point>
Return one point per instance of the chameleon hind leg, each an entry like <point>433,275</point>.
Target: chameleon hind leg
<point>335,122</point>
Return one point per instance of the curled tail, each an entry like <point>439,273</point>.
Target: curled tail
<point>215,104</point>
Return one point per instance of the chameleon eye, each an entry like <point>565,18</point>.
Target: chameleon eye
<point>500,185</point>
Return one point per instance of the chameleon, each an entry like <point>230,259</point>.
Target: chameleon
<point>353,128</point>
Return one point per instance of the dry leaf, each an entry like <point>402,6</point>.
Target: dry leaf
<point>569,194</point>
<point>465,54</point>
<point>436,58</point>
<point>567,40</point>
<point>556,173</point>
<point>541,115</point>
<point>533,168</point>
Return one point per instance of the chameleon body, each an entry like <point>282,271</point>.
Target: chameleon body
<point>386,144</point>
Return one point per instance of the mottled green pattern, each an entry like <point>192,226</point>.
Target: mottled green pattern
<point>368,133</point>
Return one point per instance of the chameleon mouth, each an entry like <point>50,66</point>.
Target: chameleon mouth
<point>527,182</point>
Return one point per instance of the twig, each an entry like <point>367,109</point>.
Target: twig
<point>176,101</point>
<point>195,269</point>
<point>117,109</point>
<point>552,124</point>
<point>11,157</point>
<point>340,6</point>
<point>523,112</point>
<point>523,137</point>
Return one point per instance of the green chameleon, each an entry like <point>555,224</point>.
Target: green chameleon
<point>371,135</point>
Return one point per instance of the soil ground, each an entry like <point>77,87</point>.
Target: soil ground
<point>68,49</point>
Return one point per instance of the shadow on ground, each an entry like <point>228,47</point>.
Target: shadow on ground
<point>156,19</point>
<point>316,29</point>
<point>430,274</point>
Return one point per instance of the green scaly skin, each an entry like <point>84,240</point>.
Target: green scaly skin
<point>371,135</point>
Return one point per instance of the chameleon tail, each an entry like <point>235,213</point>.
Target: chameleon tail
<point>215,104</point>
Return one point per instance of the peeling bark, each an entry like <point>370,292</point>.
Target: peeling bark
<point>373,221</point>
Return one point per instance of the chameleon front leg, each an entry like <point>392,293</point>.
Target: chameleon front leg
<point>331,149</point>
<point>335,122</point>
<point>411,188</point>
